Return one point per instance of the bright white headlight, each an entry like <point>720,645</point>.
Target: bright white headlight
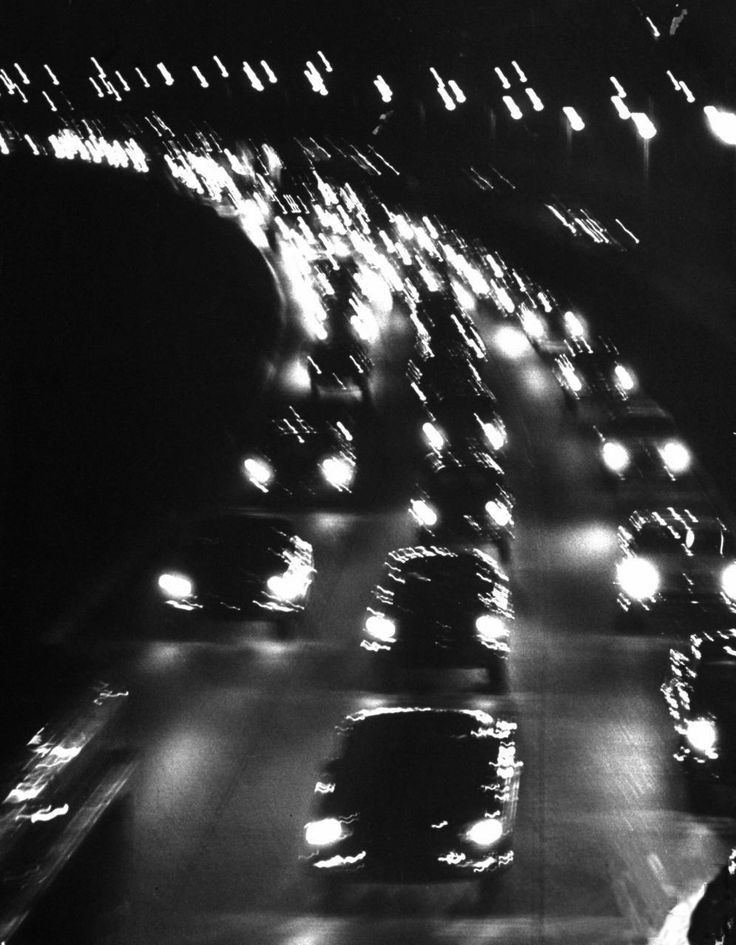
<point>423,512</point>
<point>292,584</point>
<point>323,833</point>
<point>728,580</point>
<point>491,628</point>
<point>338,471</point>
<point>175,585</point>
<point>500,513</point>
<point>615,456</point>
<point>572,380</point>
<point>532,324</point>
<point>433,436</point>
<point>625,378</point>
<point>573,325</point>
<point>484,833</point>
<point>675,456</point>
<point>495,434</point>
<point>380,628</point>
<point>702,735</point>
<point>258,472</point>
<point>638,578</point>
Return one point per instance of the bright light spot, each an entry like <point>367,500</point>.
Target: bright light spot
<point>423,513</point>
<point>491,628</point>
<point>175,585</point>
<point>328,67</point>
<point>338,471</point>
<point>728,580</point>
<point>686,90</point>
<point>495,434</point>
<point>620,90</point>
<point>702,735</point>
<point>380,628</point>
<point>485,832</point>
<point>292,584</point>
<point>504,81</point>
<point>167,76</point>
<point>100,93</point>
<point>457,92</point>
<point>536,101</point>
<point>51,74</point>
<point>574,325</point>
<point>676,456</point>
<point>500,513</point>
<point>513,108</point>
<point>447,99</point>
<point>655,31</point>
<point>576,122</point>
<point>625,378</point>
<point>259,472</point>
<point>519,70</point>
<point>644,125</point>
<point>322,833</point>
<point>615,456</point>
<point>254,80</point>
<point>48,99</point>
<point>638,578</point>
<point>722,124</point>
<point>383,88</point>
<point>627,231</point>
<point>674,81</point>
<point>143,79</point>
<point>269,72</point>
<point>621,107</point>
<point>202,81</point>
<point>433,436</point>
<point>511,342</point>
<point>223,71</point>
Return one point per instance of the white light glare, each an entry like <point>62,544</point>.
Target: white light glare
<point>513,108</point>
<point>338,471</point>
<point>722,124</point>
<point>615,456</point>
<point>675,456</point>
<point>625,378</point>
<point>644,125</point>
<point>202,81</point>
<point>423,512</point>
<point>491,628</point>
<point>383,88</point>
<point>269,72</point>
<point>686,91</point>
<point>575,121</point>
<point>175,585</point>
<point>504,81</point>
<point>536,101</point>
<point>638,578</point>
<point>485,832</point>
<point>168,78</point>
<point>322,833</point>
<point>702,735</point>
<point>254,80</point>
<point>380,628</point>
<point>728,580</point>
<point>433,436</point>
<point>457,92</point>
<point>519,70</point>
<point>620,90</point>
<point>328,67</point>
<point>655,32</point>
<point>259,472</point>
<point>573,325</point>
<point>223,71</point>
<point>51,74</point>
<point>495,434</point>
<point>621,107</point>
<point>500,513</point>
<point>143,79</point>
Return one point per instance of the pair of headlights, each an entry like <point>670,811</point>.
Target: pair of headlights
<point>338,471</point>
<point>426,515</point>
<point>329,831</point>
<point>288,587</point>
<point>490,628</point>
<point>640,579</point>
<point>494,432</point>
<point>675,456</point>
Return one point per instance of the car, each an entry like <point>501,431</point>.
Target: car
<point>462,498</point>
<point>461,421</point>
<point>640,443</point>
<point>440,322</point>
<point>416,794</point>
<point>240,564</point>
<point>448,373</point>
<point>549,327</point>
<point>592,375</point>
<point>700,695</point>
<point>64,764</point>
<point>305,451</point>
<point>676,563</point>
<point>339,366</point>
<point>440,607</point>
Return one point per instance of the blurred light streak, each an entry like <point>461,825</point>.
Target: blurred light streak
<point>511,342</point>
<point>143,79</point>
<point>51,75</point>
<point>513,108</point>
<point>674,81</point>
<point>269,72</point>
<point>457,92</point>
<point>575,121</point>
<point>254,80</point>
<point>617,85</point>
<point>655,32</point>
<point>21,73</point>
<point>32,144</point>
<point>322,56</point>
<point>48,99</point>
<point>167,76</point>
<point>122,81</point>
<point>627,231</point>
<point>519,70</point>
<point>202,81</point>
<point>621,107</point>
<point>644,125</point>
<point>504,81</point>
<point>223,71</point>
<point>722,124</point>
<point>383,88</point>
<point>686,90</point>
<point>536,101</point>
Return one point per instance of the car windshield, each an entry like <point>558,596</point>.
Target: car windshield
<point>644,426</point>
<point>250,542</point>
<point>716,683</point>
<point>479,484</point>
<point>696,539</point>
<point>440,582</point>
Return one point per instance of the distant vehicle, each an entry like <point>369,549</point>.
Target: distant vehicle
<point>449,373</point>
<point>464,421</point>
<point>416,795</point>
<point>701,696</point>
<point>675,563</point>
<point>305,451</point>
<point>640,443</point>
<point>592,374</point>
<point>439,607</point>
<point>463,499</point>
<point>63,764</point>
<point>550,329</point>
<point>241,565</point>
<point>339,366</point>
<point>440,322</point>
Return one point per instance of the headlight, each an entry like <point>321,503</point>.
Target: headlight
<point>500,513</point>
<point>491,628</point>
<point>176,585</point>
<point>639,579</point>
<point>338,471</point>
<point>484,833</point>
<point>615,456</point>
<point>380,628</point>
<point>728,580</point>
<point>675,456</point>
<point>433,436</point>
<point>572,380</point>
<point>495,434</point>
<point>323,833</point>
<point>573,325</point>
<point>258,472</point>
<point>423,512</point>
<point>292,584</point>
<point>624,377</point>
<point>532,324</point>
<point>702,735</point>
